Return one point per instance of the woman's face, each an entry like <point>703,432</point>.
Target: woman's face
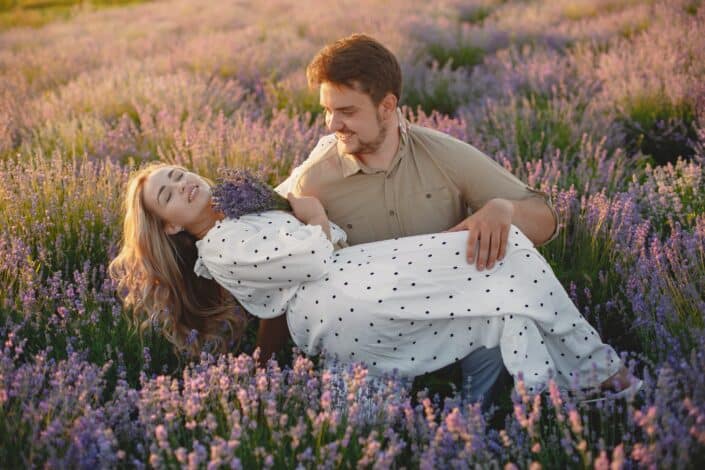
<point>179,198</point>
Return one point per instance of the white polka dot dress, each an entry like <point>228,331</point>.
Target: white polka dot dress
<point>412,304</point>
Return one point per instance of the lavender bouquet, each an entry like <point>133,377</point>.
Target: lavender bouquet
<point>238,192</point>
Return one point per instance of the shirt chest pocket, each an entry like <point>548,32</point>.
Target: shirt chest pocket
<point>360,229</point>
<point>430,210</point>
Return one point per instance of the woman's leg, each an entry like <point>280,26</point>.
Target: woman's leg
<point>544,335</point>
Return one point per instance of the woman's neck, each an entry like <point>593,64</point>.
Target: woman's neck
<point>201,227</point>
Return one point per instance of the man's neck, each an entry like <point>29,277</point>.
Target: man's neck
<point>382,158</point>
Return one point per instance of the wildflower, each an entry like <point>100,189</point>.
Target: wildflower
<point>617,458</point>
<point>647,420</point>
<point>642,454</point>
<point>62,311</point>
<point>575,423</point>
<point>326,400</point>
<point>520,415</point>
<point>155,460</point>
<point>555,396</point>
<point>602,462</point>
<point>521,390</point>
<point>194,460</point>
<point>192,337</point>
<point>262,383</point>
<point>181,455</point>
<point>160,433</point>
<point>455,423</point>
<point>506,441</point>
<point>535,414</point>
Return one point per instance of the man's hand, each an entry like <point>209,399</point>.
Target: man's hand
<point>488,231</point>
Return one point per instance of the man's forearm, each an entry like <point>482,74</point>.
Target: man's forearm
<point>533,216</point>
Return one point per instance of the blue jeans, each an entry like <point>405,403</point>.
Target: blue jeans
<point>480,371</point>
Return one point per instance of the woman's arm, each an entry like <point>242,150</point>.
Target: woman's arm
<point>273,333</point>
<point>323,222</point>
<point>309,210</point>
<point>272,336</point>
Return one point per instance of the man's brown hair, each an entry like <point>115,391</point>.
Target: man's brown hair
<point>360,62</point>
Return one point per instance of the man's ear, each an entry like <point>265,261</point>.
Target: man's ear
<point>171,229</point>
<point>388,105</point>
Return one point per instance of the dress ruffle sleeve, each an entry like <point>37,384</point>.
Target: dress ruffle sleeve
<point>338,236</point>
<point>201,269</point>
<point>262,259</point>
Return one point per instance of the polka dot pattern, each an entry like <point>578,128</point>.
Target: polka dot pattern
<point>411,304</point>
<point>263,259</point>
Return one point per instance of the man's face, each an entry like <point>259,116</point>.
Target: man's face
<point>353,117</point>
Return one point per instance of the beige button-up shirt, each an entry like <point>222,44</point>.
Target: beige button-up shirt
<point>433,183</point>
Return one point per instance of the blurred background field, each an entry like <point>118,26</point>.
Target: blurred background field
<point>601,103</point>
<point>34,13</point>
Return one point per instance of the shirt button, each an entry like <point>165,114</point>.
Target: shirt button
<point>391,213</point>
<point>349,225</point>
<point>428,195</point>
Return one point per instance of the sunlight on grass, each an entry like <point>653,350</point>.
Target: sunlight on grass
<point>578,10</point>
<point>631,29</point>
<point>461,56</point>
<point>37,13</point>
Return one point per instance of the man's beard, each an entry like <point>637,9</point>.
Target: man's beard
<point>369,147</point>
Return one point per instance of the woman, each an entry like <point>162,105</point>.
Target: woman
<point>411,304</point>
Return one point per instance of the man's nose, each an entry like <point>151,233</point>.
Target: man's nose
<point>334,123</point>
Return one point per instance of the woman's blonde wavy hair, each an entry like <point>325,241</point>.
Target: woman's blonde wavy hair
<point>155,279</point>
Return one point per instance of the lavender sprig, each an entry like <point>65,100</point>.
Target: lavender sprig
<point>239,192</point>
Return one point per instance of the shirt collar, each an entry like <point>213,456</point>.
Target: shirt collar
<point>351,165</point>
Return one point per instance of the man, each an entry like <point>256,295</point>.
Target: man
<point>380,177</point>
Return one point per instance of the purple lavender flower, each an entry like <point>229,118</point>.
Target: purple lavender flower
<point>239,192</point>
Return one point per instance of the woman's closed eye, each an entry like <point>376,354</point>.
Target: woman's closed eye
<point>178,178</point>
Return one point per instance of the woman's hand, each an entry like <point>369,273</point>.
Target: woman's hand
<point>306,208</point>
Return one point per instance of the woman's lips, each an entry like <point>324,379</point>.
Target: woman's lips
<point>192,193</point>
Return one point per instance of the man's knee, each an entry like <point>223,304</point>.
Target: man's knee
<point>483,361</point>
<point>480,371</point>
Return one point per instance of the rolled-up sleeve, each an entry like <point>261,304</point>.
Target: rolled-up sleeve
<point>480,179</point>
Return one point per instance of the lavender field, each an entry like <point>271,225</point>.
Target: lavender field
<point>599,102</point>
